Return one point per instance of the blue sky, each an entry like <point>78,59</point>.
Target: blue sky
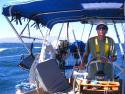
<point>6,31</point>
<point>2,21</point>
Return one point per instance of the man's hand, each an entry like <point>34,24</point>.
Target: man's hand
<point>113,58</point>
<point>104,59</point>
<point>80,67</point>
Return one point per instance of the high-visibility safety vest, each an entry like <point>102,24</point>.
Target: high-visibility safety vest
<point>97,48</point>
<point>108,48</point>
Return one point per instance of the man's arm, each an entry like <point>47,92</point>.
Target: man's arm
<point>84,60</point>
<point>85,56</point>
<point>113,58</point>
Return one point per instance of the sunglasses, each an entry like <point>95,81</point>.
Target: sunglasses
<point>103,28</point>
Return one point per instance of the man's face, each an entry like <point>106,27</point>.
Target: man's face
<point>101,33</point>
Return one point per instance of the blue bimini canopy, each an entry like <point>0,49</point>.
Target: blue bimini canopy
<point>50,12</point>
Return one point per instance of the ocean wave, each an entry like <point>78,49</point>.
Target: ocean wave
<point>12,57</point>
<point>3,49</point>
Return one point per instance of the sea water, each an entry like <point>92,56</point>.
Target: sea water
<point>11,74</point>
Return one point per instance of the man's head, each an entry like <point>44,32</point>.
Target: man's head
<point>101,30</point>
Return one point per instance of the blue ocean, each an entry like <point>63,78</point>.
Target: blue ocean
<point>11,74</point>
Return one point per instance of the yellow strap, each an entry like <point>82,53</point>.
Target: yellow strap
<point>106,47</point>
<point>98,49</point>
<point>97,46</point>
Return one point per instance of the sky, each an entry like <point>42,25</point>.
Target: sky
<point>6,31</point>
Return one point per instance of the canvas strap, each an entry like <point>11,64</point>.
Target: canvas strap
<point>106,48</point>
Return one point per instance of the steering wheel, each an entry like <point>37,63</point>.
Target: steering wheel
<point>96,62</point>
<point>100,60</point>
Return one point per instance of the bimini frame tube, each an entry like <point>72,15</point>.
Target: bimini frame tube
<point>83,31</point>
<point>77,46</point>
<point>123,85</point>
<point>119,41</point>
<point>59,34</point>
<point>17,34</point>
<point>124,9</point>
<point>123,54</point>
<point>90,31</point>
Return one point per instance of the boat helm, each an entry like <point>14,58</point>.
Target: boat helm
<point>100,76</point>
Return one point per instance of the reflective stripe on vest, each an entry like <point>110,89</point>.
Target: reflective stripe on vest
<point>106,47</point>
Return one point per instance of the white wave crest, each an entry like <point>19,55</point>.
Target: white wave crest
<point>3,49</point>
